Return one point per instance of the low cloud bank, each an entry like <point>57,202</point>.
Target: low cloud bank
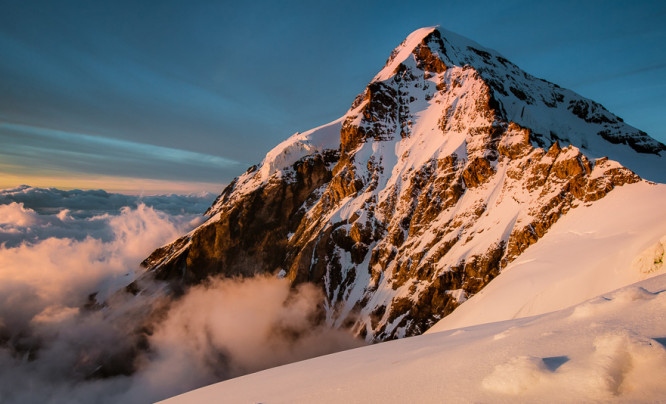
<point>57,345</point>
<point>82,204</point>
<point>33,214</point>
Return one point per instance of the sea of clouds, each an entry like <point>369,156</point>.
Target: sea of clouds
<point>69,333</point>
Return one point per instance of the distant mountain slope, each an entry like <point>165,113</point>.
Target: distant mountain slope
<point>448,166</point>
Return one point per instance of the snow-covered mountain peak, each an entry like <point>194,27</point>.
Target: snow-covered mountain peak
<point>431,57</point>
<point>447,46</point>
<point>403,51</point>
<point>445,169</point>
<point>437,79</point>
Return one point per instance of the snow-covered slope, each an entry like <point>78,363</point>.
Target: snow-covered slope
<point>614,242</point>
<point>607,349</point>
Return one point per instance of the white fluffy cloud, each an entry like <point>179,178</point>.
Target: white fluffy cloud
<point>32,214</point>
<point>62,269</point>
<point>54,265</point>
<point>15,215</point>
<point>49,342</point>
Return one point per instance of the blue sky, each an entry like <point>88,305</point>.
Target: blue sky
<point>184,95</point>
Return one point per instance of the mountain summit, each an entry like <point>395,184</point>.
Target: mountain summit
<point>447,166</point>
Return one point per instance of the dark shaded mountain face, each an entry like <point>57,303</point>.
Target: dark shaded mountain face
<point>447,167</point>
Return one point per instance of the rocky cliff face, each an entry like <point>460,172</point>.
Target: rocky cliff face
<point>447,167</point>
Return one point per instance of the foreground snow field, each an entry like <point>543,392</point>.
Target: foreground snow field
<point>607,348</point>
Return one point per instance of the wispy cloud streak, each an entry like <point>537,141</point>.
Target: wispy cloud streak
<point>38,150</point>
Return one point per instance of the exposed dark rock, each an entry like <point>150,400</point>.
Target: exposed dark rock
<point>249,237</point>
<point>640,141</point>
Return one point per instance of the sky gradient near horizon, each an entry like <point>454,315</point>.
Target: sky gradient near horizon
<point>142,97</point>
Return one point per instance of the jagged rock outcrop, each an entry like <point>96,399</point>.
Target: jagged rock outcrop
<point>447,167</point>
